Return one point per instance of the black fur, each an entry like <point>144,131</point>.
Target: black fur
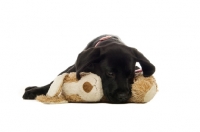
<point>113,61</point>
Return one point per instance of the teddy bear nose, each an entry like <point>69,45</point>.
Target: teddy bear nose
<point>87,87</point>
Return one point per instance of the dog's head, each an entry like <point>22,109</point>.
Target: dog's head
<point>115,64</point>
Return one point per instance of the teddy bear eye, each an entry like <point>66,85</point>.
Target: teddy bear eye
<point>110,74</point>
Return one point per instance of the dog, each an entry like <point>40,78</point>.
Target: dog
<point>108,57</point>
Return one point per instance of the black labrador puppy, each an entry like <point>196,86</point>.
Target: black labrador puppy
<point>113,61</point>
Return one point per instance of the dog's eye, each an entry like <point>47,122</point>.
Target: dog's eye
<point>110,74</point>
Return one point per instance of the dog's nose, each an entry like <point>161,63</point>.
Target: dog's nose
<point>122,97</point>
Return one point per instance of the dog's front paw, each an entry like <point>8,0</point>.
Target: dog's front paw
<point>30,93</point>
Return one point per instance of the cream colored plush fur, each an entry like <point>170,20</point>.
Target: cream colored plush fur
<point>66,88</point>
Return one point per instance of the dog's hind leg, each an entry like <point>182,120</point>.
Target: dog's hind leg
<point>32,92</point>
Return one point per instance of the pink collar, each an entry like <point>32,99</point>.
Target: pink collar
<point>102,39</point>
<point>138,70</point>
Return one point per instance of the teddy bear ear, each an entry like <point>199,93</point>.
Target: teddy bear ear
<point>87,87</point>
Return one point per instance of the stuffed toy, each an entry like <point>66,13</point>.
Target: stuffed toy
<point>66,88</point>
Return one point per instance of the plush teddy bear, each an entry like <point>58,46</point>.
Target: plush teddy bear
<point>143,88</point>
<point>66,88</point>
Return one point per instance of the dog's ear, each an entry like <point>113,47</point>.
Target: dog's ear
<point>85,60</point>
<point>147,68</point>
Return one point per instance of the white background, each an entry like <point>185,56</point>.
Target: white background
<point>41,38</point>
